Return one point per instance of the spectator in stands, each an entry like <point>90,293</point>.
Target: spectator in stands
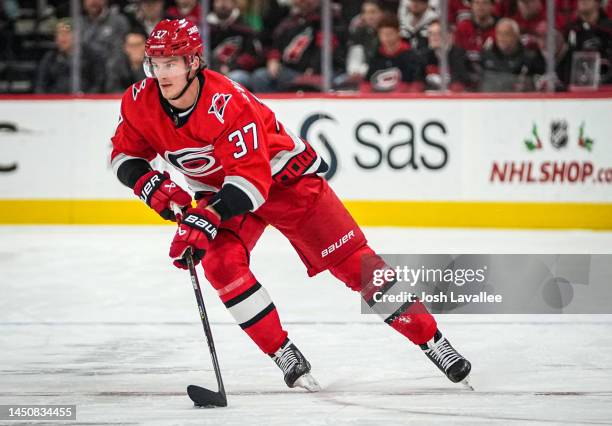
<point>565,11</point>
<point>294,62</point>
<point>457,62</point>
<point>476,33</point>
<point>188,9</point>
<point>529,14</point>
<point>273,14</point>
<point>103,29</point>
<point>459,11</point>
<point>563,59</point>
<point>235,49</point>
<point>125,67</point>
<point>54,74</point>
<point>414,20</point>
<point>592,31</point>
<point>508,66</point>
<point>147,14</point>
<point>395,67</point>
<point>363,39</point>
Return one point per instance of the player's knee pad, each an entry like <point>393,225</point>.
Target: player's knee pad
<point>354,269</point>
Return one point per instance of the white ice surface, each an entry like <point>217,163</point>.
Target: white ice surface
<point>96,316</point>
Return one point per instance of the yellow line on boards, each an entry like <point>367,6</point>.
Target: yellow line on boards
<point>463,214</point>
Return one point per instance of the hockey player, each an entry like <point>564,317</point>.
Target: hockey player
<point>247,171</point>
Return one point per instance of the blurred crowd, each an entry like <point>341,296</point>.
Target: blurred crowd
<point>275,45</point>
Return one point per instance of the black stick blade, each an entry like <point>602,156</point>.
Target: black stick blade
<point>202,397</point>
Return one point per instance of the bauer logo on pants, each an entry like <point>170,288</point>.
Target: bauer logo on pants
<point>335,246</point>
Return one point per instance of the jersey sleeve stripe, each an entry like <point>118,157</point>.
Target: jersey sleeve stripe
<point>280,159</point>
<point>248,188</point>
<point>122,158</point>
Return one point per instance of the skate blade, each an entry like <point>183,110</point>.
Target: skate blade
<point>465,382</point>
<point>308,382</point>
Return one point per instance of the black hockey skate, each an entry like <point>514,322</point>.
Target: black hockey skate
<point>447,359</point>
<point>295,367</point>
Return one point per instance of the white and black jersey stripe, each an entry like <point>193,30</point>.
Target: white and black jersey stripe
<point>388,311</point>
<point>250,306</point>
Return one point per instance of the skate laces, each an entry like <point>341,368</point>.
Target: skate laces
<point>443,353</point>
<point>286,359</point>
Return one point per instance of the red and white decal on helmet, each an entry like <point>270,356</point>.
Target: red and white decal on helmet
<point>218,104</point>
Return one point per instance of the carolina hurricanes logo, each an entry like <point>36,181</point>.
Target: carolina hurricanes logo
<point>136,88</point>
<point>226,51</point>
<point>218,104</point>
<point>387,79</point>
<point>295,50</point>
<point>194,162</point>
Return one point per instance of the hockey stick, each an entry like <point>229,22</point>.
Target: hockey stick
<point>200,396</point>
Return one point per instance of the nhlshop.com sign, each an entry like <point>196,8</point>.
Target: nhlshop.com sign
<point>553,172</point>
<point>528,150</point>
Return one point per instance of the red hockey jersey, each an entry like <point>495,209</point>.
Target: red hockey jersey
<point>230,137</point>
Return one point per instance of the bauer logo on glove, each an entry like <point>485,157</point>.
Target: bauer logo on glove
<point>197,229</point>
<point>203,224</point>
<point>159,192</point>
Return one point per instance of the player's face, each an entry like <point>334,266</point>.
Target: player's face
<point>171,73</point>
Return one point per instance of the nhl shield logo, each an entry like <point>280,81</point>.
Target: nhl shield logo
<point>558,134</point>
<point>218,104</point>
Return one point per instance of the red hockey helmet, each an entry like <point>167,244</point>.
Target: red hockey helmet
<point>174,37</point>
